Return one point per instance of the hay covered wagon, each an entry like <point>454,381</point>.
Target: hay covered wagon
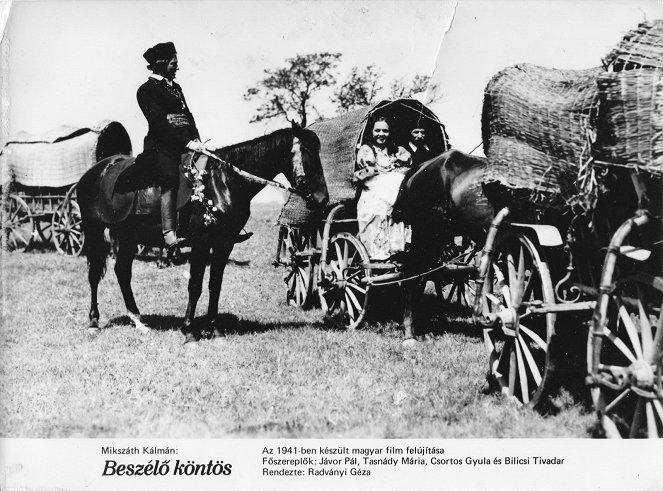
<point>326,261</point>
<point>571,273</point>
<point>39,198</point>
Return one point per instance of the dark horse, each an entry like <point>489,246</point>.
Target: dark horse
<point>441,200</point>
<point>293,152</point>
<point>445,198</point>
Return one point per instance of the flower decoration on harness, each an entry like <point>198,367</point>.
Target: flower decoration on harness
<point>195,175</point>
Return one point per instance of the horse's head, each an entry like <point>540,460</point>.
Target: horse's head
<point>306,171</point>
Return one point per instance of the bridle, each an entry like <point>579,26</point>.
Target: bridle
<point>260,180</point>
<point>298,171</point>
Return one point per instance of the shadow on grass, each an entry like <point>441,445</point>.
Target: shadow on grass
<point>229,322</point>
<point>235,325</point>
<point>568,391</point>
<point>565,391</point>
<point>436,318</point>
<point>155,322</point>
<point>38,246</point>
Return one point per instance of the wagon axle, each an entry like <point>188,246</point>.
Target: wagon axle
<point>639,377</point>
<point>508,320</point>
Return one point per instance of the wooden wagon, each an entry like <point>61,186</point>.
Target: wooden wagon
<point>572,282</point>
<point>327,264</point>
<point>39,198</point>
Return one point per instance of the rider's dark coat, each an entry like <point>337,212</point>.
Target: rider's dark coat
<point>171,127</point>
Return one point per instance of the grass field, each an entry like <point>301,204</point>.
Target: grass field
<point>281,373</point>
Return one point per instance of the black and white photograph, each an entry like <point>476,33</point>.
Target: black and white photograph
<point>323,244</point>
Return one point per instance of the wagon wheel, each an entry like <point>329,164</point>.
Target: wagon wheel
<point>66,225</point>
<point>44,229</point>
<point>17,224</point>
<point>299,249</point>
<point>459,289</point>
<point>519,346</point>
<point>343,295</point>
<point>626,360</point>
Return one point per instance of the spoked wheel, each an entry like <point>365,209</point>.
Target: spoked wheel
<point>518,345</point>
<point>17,224</point>
<point>44,229</point>
<point>67,233</point>
<point>343,293</point>
<point>626,359</point>
<point>458,288</point>
<point>299,248</point>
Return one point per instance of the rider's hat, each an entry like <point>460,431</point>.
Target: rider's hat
<point>160,52</point>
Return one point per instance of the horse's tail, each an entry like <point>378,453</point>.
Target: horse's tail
<point>96,249</point>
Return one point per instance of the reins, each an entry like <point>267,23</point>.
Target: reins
<point>450,262</point>
<point>253,178</point>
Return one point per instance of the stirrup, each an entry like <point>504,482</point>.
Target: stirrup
<point>179,241</point>
<point>174,251</point>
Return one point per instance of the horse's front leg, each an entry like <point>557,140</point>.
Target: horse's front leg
<point>413,289</point>
<point>412,292</point>
<point>198,262</point>
<point>220,257</point>
<point>125,257</point>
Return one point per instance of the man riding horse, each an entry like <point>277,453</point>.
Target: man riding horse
<point>172,132</point>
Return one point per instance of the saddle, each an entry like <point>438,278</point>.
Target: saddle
<point>128,186</point>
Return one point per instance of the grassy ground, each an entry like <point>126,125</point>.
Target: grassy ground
<point>280,374</point>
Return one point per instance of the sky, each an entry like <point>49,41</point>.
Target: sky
<point>85,62</point>
<point>79,62</point>
<point>487,36</point>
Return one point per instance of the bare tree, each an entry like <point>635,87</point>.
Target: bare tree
<point>360,89</point>
<point>287,91</point>
<point>399,89</point>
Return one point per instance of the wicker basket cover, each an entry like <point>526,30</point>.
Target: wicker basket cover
<point>340,138</point>
<point>61,156</point>
<point>640,48</point>
<point>535,126</point>
<point>630,128</point>
<point>518,166</point>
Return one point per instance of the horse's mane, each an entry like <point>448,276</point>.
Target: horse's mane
<point>254,150</point>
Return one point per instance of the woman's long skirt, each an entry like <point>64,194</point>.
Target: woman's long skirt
<point>378,232</point>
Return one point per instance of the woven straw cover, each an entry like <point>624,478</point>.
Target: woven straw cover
<point>535,125</point>
<point>640,48</point>
<point>630,129</point>
<point>340,138</point>
<point>61,156</point>
<point>519,166</point>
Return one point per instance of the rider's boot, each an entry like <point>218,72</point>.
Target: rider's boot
<point>169,218</point>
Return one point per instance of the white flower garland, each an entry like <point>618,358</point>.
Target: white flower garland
<point>197,194</point>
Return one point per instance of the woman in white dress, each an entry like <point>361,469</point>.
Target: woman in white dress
<point>381,167</point>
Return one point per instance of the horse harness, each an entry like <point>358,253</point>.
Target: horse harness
<point>298,170</point>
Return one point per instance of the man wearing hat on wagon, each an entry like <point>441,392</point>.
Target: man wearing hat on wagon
<point>420,153</point>
<point>418,147</point>
<point>171,130</point>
